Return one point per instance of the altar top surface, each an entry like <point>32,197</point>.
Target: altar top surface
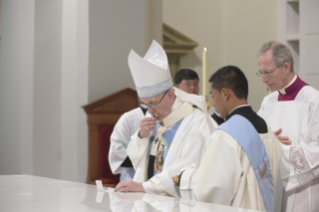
<point>31,193</point>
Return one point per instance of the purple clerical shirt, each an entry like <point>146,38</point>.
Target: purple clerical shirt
<point>292,90</point>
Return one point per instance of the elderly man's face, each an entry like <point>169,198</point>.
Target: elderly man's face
<point>189,86</point>
<point>277,79</point>
<point>160,106</point>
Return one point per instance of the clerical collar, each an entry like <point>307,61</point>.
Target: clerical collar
<point>291,90</point>
<point>282,91</point>
<point>245,105</point>
<point>247,112</point>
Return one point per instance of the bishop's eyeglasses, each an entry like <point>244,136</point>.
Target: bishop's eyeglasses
<point>146,106</point>
<point>266,73</point>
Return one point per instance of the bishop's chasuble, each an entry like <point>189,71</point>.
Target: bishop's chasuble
<point>240,166</point>
<point>181,145</point>
<point>295,109</point>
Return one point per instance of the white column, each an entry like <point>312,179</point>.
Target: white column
<point>82,89</point>
<point>47,88</point>
<point>68,90</point>
<point>44,77</point>
<point>16,86</point>
<point>74,90</point>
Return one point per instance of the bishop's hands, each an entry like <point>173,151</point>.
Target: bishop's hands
<point>283,139</point>
<point>129,185</point>
<point>147,125</point>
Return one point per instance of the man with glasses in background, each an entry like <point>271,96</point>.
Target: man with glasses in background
<point>173,134</point>
<point>292,110</point>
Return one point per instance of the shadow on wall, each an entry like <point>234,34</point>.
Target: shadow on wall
<point>191,60</point>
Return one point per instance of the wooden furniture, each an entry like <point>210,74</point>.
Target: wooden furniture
<point>176,45</point>
<point>102,112</point>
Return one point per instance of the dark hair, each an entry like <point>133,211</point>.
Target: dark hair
<point>233,78</point>
<point>185,74</point>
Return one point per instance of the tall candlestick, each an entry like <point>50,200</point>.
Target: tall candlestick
<point>205,72</point>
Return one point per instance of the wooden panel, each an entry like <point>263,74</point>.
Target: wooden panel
<point>100,118</point>
<point>120,104</point>
<point>106,110</point>
<point>120,101</point>
<point>93,172</point>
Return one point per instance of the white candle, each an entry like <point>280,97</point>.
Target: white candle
<point>205,72</point>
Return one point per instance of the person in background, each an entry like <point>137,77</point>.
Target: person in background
<point>187,80</point>
<point>241,164</point>
<point>293,111</point>
<point>125,127</point>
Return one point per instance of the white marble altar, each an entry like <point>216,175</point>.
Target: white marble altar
<point>30,193</point>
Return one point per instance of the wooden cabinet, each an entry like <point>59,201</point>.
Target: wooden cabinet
<point>105,111</point>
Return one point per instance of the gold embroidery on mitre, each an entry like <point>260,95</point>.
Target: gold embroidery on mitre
<point>264,172</point>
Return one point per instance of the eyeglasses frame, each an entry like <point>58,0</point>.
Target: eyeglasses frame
<point>146,106</point>
<point>266,73</point>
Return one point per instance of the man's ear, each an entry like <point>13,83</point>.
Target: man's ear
<point>287,67</point>
<point>224,94</point>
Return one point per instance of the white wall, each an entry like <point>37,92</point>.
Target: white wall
<point>246,26</point>
<point>16,86</point>
<point>125,26</point>
<point>44,65</point>
<point>233,31</point>
<point>82,96</point>
<point>47,63</point>
<point>47,88</point>
<point>74,90</point>
<point>0,17</point>
<point>202,22</point>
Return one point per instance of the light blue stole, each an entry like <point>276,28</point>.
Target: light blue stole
<point>248,138</point>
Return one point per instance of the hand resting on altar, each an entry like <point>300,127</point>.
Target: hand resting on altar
<point>129,185</point>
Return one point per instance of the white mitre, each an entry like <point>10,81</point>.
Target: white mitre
<point>151,73</point>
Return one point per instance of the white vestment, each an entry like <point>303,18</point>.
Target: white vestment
<point>126,126</point>
<point>188,147</point>
<point>225,175</point>
<point>299,120</point>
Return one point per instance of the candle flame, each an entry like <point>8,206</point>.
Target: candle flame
<point>205,49</point>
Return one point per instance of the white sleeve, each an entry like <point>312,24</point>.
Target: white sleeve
<point>300,163</point>
<point>119,140</point>
<point>136,149</point>
<point>261,110</point>
<point>218,177</point>
<point>192,149</point>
